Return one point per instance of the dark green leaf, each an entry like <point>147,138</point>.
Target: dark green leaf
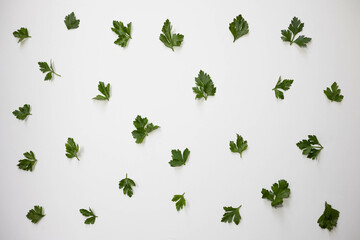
<point>170,40</point>
<point>36,214</point>
<point>105,90</point>
<point>329,218</point>
<point>294,28</point>
<point>72,149</point>
<point>23,112</point>
<point>334,94</point>
<point>180,201</point>
<point>142,128</point>
<point>239,146</point>
<point>124,33</point>
<point>279,191</point>
<point>205,86</point>
<point>179,159</point>
<point>71,22</point>
<point>239,27</point>
<point>28,163</point>
<point>45,68</point>
<point>284,85</point>
<point>126,184</point>
<point>310,147</point>
<point>21,34</point>
<point>231,215</point>
<point>90,214</point>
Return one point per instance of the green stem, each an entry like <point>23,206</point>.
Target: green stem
<point>56,73</point>
<point>77,157</point>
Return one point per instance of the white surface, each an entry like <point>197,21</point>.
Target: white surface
<point>149,79</point>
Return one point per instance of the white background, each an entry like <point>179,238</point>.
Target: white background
<point>149,79</point>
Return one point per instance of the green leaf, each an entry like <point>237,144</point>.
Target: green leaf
<point>71,22</point>
<point>90,214</point>
<point>329,218</point>
<point>142,128</point>
<point>124,33</point>
<point>294,28</point>
<point>239,27</point>
<point>72,149</point>
<point>284,85</point>
<point>45,68</point>
<point>28,163</point>
<point>126,184</point>
<point>333,94</point>
<point>23,112</point>
<point>180,201</point>
<point>279,191</point>
<point>239,146</point>
<point>231,215</point>
<point>36,214</point>
<point>205,86</point>
<point>105,90</point>
<point>179,159</point>
<point>311,147</point>
<point>21,34</point>
<point>169,39</point>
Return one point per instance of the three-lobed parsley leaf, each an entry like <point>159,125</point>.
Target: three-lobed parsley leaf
<point>28,163</point>
<point>239,27</point>
<point>36,214</point>
<point>142,128</point>
<point>205,86</point>
<point>104,90</point>
<point>71,22</point>
<point>126,184</point>
<point>72,149</point>
<point>231,215</point>
<point>90,214</point>
<point>179,159</point>
<point>294,28</point>
<point>180,201</point>
<point>124,33</point>
<point>21,34</point>
<point>239,146</point>
<point>329,218</point>
<point>334,94</point>
<point>310,147</point>
<point>45,68</point>
<point>169,39</point>
<point>278,193</point>
<point>284,85</point>
<point>23,112</point>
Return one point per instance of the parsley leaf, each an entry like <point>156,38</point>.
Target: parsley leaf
<point>71,22</point>
<point>36,214</point>
<point>21,34</point>
<point>294,28</point>
<point>231,215</point>
<point>90,214</point>
<point>142,128</point>
<point>310,147</point>
<point>205,86</point>
<point>127,185</point>
<point>72,149</point>
<point>180,201</point>
<point>284,85</point>
<point>23,112</point>
<point>278,193</point>
<point>329,218</point>
<point>45,68</point>
<point>239,146</point>
<point>124,33</point>
<point>179,159</point>
<point>104,90</point>
<point>28,163</point>
<point>170,40</point>
<point>239,27</point>
<point>333,94</point>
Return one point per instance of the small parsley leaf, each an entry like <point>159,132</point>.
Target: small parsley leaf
<point>231,215</point>
<point>45,68</point>
<point>28,163</point>
<point>333,94</point>
<point>124,33</point>
<point>239,27</point>
<point>90,214</point>
<point>180,201</point>
<point>179,159</point>
<point>278,193</point>
<point>329,218</point>
<point>104,90</point>
<point>72,149</point>
<point>71,22</point>
<point>284,85</point>
<point>36,214</point>
<point>310,147</point>
<point>126,184</point>
<point>142,128</point>
<point>21,34</point>
<point>294,28</point>
<point>23,112</point>
<point>205,86</point>
<point>239,146</point>
<point>169,39</point>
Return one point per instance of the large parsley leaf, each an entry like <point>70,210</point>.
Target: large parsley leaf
<point>72,149</point>
<point>239,27</point>
<point>231,215</point>
<point>45,68</point>
<point>278,193</point>
<point>124,33</point>
<point>169,39</point>
<point>104,90</point>
<point>239,146</point>
<point>126,184</point>
<point>179,159</point>
<point>71,22</point>
<point>329,218</point>
<point>294,28</point>
<point>142,128</point>
<point>334,94</point>
<point>28,163</point>
<point>23,112</point>
<point>21,34</point>
<point>310,147</point>
<point>205,86</point>
<point>36,214</point>
<point>180,201</point>
<point>90,214</point>
<point>284,85</point>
